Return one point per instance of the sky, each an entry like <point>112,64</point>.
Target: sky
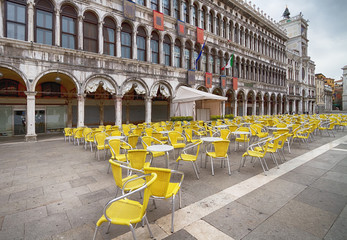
<point>327,30</point>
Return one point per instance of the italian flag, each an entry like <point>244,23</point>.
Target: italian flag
<point>230,62</point>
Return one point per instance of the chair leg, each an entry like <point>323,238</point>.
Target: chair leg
<point>261,163</point>
<point>173,213</point>
<point>147,223</point>
<point>228,165</point>
<point>95,232</point>
<point>108,228</point>
<point>212,166</point>
<point>132,231</point>
<point>195,170</point>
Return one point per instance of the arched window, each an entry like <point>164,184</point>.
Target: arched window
<point>187,55</point>
<point>90,32</point>
<point>126,44</point>
<point>154,4</point>
<point>194,15</point>
<point>177,9</point>
<point>68,27</point>
<point>44,22</point>
<point>155,47</point>
<point>231,30</point>
<point>16,21</point>
<point>196,54</point>
<point>141,2</point>
<point>241,36</point>
<point>218,62</point>
<point>9,87</point>
<point>167,50</point>
<point>204,60</point>
<point>210,22</point>
<point>212,61</point>
<point>166,7</point>
<point>218,26</point>
<point>185,11</point>
<point>109,33</point>
<point>203,18</point>
<point>141,44</point>
<point>236,34</point>
<point>224,24</point>
<point>177,53</point>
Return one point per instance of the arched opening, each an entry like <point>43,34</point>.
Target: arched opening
<point>250,103</point>
<point>133,103</point>
<point>160,103</point>
<point>240,103</point>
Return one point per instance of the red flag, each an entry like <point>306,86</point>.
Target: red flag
<point>208,80</point>
<point>234,83</point>
<point>200,35</point>
<point>158,20</point>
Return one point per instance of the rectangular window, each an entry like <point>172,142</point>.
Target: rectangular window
<point>15,22</point>
<point>166,6</point>
<point>90,41</point>
<point>126,45</point>
<point>154,4</point>
<point>155,51</point>
<point>141,48</point>
<point>140,2</point>
<point>44,26</point>
<point>109,38</point>
<point>68,32</point>
<point>166,48</point>
<point>176,9</point>
<point>187,58</point>
<point>177,55</point>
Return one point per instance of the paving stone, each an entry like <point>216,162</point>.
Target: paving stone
<point>275,230</point>
<point>38,201</point>
<point>13,207</point>
<point>303,179</point>
<point>45,227</point>
<point>336,176</point>
<point>305,217</point>
<point>339,229</point>
<point>235,219</point>
<point>63,205</point>
<point>331,186</point>
<point>316,172</point>
<point>283,187</point>
<point>322,199</point>
<point>181,234</point>
<point>94,196</point>
<point>13,232</point>
<point>82,232</point>
<point>24,216</point>
<point>86,214</point>
<point>264,201</point>
<point>342,146</point>
<point>58,187</point>
<point>340,169</point>
<point>82,181</point>
<point>73,192</point>
<point>34,192</point>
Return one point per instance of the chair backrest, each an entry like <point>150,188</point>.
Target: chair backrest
<point>117,173</point>
<point>189,134</point>
<point>146,141</point>
<point>173,136</point>
<point>233,128</point>
<point>221,147</point>
<point>78,133</point>
<point>149,131</point>
<point>116,133</point>
<point>132,140</point>
<point>160,187</point>
<point>157,135</point>
<point>115,147</point>
<point>100,138</point>
<point>138,131</point>
<point>197,144</point>
<point>225,134</point>
<point>86,131</point>
<point>136,158</point>
<point>126,129</point>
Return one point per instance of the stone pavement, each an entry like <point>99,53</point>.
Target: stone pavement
<point>52,189</point>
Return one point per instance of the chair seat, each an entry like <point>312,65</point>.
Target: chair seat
<point>158,154</point>
<point>120,157</point>
<point>242,139</point>
<point>253,154</point>
<point>123,212</point>
<point>214,155</point>
<point>178,145</point>
<point>172,189</point>
<point>187,157</point>
<point>262,134</point>
<point>133,184</point>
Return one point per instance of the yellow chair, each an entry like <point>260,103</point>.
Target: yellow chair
<point>260,153</point>
<point>116,133</point>
<point>86,133</point>
<point>225,134</point>
<point>132,141</point>
<point>163,188</point>
<point>149,131</point>
<point>191,135</point>
<point>147,141</point>
<point>126,129</point>
<point>90,138</point>
<point>100,144</point>
<point>77,135</point>
<point>184,156</point>
<point>136,158</point>
<point>174,140</point>
<point>114,145</point>
<point>242,137</point>
<point>160,137</point>
<point>68,132</point>
<point>220,152</point>
<point>123,211</point>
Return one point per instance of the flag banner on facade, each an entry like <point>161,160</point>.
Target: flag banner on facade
<point>229,63</point>
<point>223,81</point>
<point>129,9</point>
<point>158,20</point>
<point>234,83</point>
<point>208,80</point>
<point>197,59</point>
<point>191,77</point>
<point>200,35</point>
<point>181,28</point>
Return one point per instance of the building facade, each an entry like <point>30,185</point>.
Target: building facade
<point>301,69</point>
<point>320,92</point>
<point>344,83</point>
<point>77,63</point>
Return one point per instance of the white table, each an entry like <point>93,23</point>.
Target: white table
<point>222,126</point>
<point>161,148</point>
<point>241,133</point>
<point>115,137</point>
<point>208,140</point>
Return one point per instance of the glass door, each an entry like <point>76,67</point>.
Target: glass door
<point>19,122</point>
<point>40,121</point>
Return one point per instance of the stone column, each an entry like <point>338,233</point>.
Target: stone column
<point>118,43</point>
<point>172,54</point>
<point>223,108</point>
<point>244,105</point>
<point>134,45</point>
<point>2,3</point>
<point>269,107</point>
<point>148,48</point>
<point>101,38</point>
<point>118,108</point>
<point>57,27</point>
<point>101,112</point>
<point>261,103</point>
<point>235,108</point>
<point>161,52</point>
<point>31,5</point>
<point>254,107</point>
<point>148,116</point>
<point>30,118</point>
<point>80,109</point>
<point>299,111</point>
<point>80,32</point>
<point>69,113</point>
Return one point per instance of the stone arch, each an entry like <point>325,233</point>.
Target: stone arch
<point>128,83</point>
<point>96,80</point>
<point>17,72</point>
<point>154,88</point>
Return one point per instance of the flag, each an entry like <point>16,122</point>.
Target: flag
<point>199,35</point>
<point>191,77</point>
<point>234,83</point>
<point>181,28</point>
<point>196,61</point>
<point>229,63</point>
<point>158,20</point>
<point>208,80</point>
<point>129,9</point>
<point>223,81</point>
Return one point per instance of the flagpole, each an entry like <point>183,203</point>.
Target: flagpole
<point>196,61</point>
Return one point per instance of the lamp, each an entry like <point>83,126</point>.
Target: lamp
<point>1,75</point>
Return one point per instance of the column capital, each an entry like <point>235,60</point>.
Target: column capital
<point>28,93</point>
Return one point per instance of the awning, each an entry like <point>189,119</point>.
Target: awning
<point>187,94</point>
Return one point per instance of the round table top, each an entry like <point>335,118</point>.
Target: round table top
<point>211,139</point>
<point>222,126</point>
<point>276,128</point>
<point>160,148</point>
<point>241,132</point>
<point>164,132</point>
<point>115,137</point>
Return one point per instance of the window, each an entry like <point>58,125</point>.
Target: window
<point>204,61</point>
<point>196,54</point>
<point>68,27</point>
<point>224,29</point>
<point>210,22</point>
<point>141,2</point>
<point>155,47</point>
<point>177,53</point>
<point>126,41</point>
<point>176,7</point>
<point>16,20</point>
<point>141,44</point>
<point>44,22</point>
<point>109,37</point>
<point>9,87</point>
<point>166,7</point>
<point>167,51</point>
<point>90,32</point>
<point>185,11</point>
<point>194,15</point>
<point>218,64</point>
<point>202,18</point>
<point>236,34</point>
<point>211,63</point>
<point>154,4</point>
<point>218,26</point>
<point>187,54</point>
<point>50,89</point>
